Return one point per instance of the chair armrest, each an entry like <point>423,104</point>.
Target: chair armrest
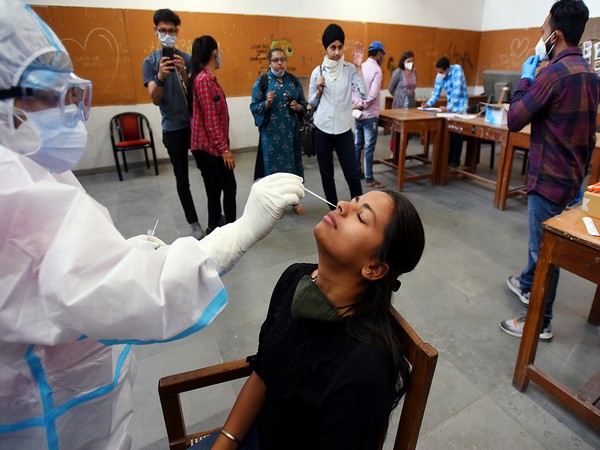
<point>171,386</point>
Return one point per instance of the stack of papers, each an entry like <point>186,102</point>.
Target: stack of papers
<point>422,108</point>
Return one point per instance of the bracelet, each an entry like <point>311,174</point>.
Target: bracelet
<point>229,436</point>
<point>158,82</point>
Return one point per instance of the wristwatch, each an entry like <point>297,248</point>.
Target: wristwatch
<point>158,82</point>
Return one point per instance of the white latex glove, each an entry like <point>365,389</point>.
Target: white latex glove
<point>268,198</point>
<point>144,239</point>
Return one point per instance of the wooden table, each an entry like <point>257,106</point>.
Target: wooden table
<point>442,101</point>
<point>473,130</point>
<point>402,122</point>
<point>566,244</point>
<point>521,139</point>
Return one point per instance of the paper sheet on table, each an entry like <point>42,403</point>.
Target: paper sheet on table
<point>423,108</point>
<point>591,228</point>
<point>457,116</point>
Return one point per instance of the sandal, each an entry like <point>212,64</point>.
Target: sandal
<point>375,184</point>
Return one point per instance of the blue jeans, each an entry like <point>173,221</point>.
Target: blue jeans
<point>344,148</point>
<point>366,135</point>
<point>539,209</point>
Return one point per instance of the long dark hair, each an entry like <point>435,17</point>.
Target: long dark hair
<point>371,320</point>
<point>202,50</point>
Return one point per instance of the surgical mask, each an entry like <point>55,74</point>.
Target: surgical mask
<point>541,49</point>
<point>408,66</point>
<point>440,77</point>
<point>45,139</point>
<point>277,74</point>
<point>219,59</point>
<point>166,39</point>
<point>310,303</point>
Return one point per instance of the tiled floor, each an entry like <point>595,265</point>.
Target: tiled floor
<point>455,300</point>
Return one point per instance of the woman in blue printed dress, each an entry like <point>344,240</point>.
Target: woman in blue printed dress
<point>277,106</point>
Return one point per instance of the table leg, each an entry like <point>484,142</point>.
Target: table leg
<point>443,154</point>
<point>594,317</point>
<point>535,312</point>
<point>400,150</point>
<point>507,153</point>
<point>435,154</point>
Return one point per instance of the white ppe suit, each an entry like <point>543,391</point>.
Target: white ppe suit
<point>74,296</point>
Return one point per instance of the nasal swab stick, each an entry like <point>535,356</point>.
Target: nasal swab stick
<point>319,197</point>
<point>153,230</point>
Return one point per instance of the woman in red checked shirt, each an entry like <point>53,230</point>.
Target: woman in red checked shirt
<point>210,132</point>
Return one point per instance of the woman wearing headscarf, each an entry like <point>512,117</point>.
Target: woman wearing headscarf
<point>330,91</point>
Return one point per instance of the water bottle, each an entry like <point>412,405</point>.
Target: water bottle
<point>406,102</point>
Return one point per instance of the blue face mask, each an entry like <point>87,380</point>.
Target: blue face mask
<point>277,74</point>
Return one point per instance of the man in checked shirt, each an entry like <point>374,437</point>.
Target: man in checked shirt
<point>451,78</point>
<point>561,104</point>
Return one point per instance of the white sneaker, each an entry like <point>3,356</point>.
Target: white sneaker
<point>514,285</point>
<point>515,327</point>
<point>196,230</point>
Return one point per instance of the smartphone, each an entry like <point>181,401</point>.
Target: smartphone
<point>168,52</point>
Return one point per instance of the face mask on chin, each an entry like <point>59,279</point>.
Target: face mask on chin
<point>440,77</point>
<point>46,140</point>
<point>541,48</point>
<point>167,40</point>
<point>277,74</point>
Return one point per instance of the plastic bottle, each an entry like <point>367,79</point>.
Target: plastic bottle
<point>406,102</point>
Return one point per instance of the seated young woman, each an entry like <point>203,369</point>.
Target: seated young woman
<point>329,369</point>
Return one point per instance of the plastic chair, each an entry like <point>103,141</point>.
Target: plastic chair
<point>421,355</point>
<point>131,131</point>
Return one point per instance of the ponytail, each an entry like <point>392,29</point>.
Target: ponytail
<point>202,50</point>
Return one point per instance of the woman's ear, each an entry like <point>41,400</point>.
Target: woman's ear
<point>375,270</point>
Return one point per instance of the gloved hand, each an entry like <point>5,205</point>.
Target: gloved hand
<point>266,202</point>
<point>144,239</point>
<point>529,67</point>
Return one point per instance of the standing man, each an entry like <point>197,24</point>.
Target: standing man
<point>452,79</point>
<point>367,112</point>
<point>166,76</point>
<point>561,105</point>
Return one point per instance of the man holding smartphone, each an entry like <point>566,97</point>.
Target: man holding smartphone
<point>166,76</point>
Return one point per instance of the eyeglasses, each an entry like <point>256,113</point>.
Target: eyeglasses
<point>45,89</point>
<point>170,31</point>
<point>279,60</point>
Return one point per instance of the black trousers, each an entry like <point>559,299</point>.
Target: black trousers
<point>178,145</point>
<point>217,179</point>
<point>344,148</point>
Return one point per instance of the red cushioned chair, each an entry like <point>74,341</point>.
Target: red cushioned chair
<point>131,131</point>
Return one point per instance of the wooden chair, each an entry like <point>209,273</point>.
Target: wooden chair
<point>131,131</point>
<point>421,355</point>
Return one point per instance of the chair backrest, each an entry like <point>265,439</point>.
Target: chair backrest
<point>129,126</point>
<point>421,355</point>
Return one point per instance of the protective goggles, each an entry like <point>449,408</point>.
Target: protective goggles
<point>44,89</point>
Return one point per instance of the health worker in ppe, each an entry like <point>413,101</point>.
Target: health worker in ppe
<point>74,294</point>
